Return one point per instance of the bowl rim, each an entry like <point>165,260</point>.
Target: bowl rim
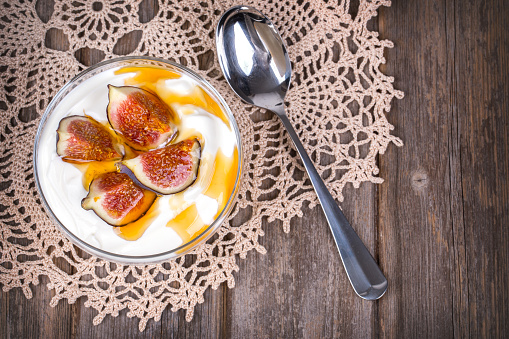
<point>151,258</point>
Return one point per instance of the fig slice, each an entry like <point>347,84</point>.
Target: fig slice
<point>140,117</point>
<point>81,138</point>
<point>167,170</point>
<point>116,199</point>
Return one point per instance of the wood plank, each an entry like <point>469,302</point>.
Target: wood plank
<point>299,288</point>
<point>460,268</point>
<point>112,327</point>
<point>4,311</point>
<point>482,113</point>
<point>208,320</point>
<point>416,238</point>
<point>35,318</point>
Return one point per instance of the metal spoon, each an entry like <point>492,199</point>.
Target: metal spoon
<point>256,65</point>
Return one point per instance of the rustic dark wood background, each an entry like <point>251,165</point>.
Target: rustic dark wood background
<point>438,225</point>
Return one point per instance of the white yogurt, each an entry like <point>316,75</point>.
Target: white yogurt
<point>62,186</point>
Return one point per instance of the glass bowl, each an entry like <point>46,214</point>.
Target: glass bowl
<point>68,90</point>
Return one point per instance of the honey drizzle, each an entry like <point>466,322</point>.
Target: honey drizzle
<point>213,107</point>
<point>185,210</point>
<point>153,78</point>
<point>146,77</point>
<point>170,96</point>
<point>92,169</point>
<point>133,231</point>
<point>218,177</point>
<point>223,181</point>
<point>187,223</point>
<point>219,186</point>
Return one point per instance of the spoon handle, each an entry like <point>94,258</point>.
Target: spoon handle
<point>365,276</point>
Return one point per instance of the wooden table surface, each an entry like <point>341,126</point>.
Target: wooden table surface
<point>438,225</point>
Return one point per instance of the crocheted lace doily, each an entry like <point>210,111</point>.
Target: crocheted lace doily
<point>337,103</point>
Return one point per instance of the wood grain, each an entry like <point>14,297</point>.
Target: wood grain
<point>482,114</point>
<point>299,288</point>
<point>414,214</point>
<point>449,182</point>
<point>438,224</point>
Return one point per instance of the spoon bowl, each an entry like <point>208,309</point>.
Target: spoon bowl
<point>256,64</point>
<point>253,57</point>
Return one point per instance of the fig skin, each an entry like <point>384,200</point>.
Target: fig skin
<point>140,117</point>
<point>116,199</point>
<point>167,170</point>
<point>81,138</point>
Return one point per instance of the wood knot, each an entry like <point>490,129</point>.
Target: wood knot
<point>419,180</point>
